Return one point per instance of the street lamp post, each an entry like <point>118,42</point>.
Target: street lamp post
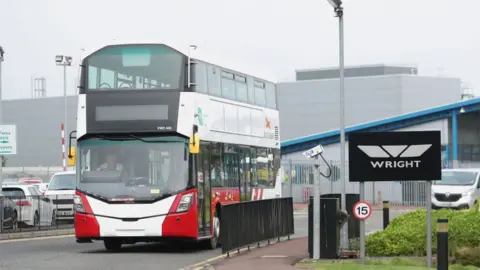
<point>65,61</point>
<point>2,54</point>
<point>338,9</point>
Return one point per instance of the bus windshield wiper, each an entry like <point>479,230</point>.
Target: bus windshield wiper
<point>129,137</point>
<point>153,141</point>
<point>108,138</point>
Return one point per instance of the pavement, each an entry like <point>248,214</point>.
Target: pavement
<point>284,254</point>
<point>62,252</point>
<point>279,256</point>
<point>35,233</point>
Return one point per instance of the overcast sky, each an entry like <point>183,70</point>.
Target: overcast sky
<point>276,36</point>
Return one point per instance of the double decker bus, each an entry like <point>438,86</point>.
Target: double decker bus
<point>163,140</point>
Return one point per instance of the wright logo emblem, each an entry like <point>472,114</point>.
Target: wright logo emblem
<point>395,155</point>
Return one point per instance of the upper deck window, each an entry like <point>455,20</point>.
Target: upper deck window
<point>136,67</point>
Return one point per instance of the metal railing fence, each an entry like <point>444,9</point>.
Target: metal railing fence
<point>298,184</point>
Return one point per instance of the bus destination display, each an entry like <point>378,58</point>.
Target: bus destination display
<point>131,113</point>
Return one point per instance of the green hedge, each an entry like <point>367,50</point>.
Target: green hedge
<point>406,234</point>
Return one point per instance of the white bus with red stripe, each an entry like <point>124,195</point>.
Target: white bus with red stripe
<point>139,113</point>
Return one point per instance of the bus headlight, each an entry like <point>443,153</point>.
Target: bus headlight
<point>78,204</point>
<point>185,203</point>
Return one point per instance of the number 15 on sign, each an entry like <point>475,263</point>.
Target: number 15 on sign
<point>362,210</point>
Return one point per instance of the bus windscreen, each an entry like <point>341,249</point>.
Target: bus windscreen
<point>134,67</point>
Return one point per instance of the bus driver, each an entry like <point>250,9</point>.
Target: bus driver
<point>111,164</point>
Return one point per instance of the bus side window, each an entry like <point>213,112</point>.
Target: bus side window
<point>230,159</point>
<point>217,166</point>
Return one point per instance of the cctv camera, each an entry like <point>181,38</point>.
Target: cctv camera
<point>59,59</point>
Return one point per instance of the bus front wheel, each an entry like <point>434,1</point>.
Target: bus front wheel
<point>213,242</point>
<point>112,244</point>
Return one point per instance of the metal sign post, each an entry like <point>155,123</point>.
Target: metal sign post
<point>362,210</point>
<point>428,191</point>
<point>362,224</point>
<point>395,156</point>
<point>316,211</point>
<point>315,153</point>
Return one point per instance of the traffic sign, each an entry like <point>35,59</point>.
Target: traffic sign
<point>362,210</point>
<point>8,140</point>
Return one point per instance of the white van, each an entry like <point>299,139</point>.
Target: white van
<point>458,189</point>
<point>61,190</point>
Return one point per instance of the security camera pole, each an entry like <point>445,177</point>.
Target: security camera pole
<point>2,54</point>
<point>338,9</point>
<point>314,153</point>
<point>65,61</point>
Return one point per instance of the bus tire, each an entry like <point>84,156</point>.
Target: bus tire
<point>112,244</point>
<point>213,242</point>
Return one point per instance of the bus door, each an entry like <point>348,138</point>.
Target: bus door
<point>204,190</point>
<point>244,153</point>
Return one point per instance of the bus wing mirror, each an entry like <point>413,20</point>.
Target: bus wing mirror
<point>71,150</point>
<point>194,144</point>
<point>72,154</point>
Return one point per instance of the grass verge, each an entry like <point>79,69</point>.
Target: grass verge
<point>387,264</point>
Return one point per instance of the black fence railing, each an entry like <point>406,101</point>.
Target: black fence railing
<point>246,223</point>
<point>20,213</point>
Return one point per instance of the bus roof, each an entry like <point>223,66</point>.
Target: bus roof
<point>204,54</point>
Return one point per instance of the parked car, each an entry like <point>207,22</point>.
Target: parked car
<point>458,189</point>
<point>42,187</point>
<point>61,190</point>
<point>33,208</point>
<point>30,180</point>
<point>9,212</point>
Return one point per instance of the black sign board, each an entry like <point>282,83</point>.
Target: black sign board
<point>394,156</point>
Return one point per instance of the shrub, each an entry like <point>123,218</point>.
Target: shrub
<point>468,256</point>
<point>406,234</point>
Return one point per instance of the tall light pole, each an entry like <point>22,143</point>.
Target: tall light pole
<point>338,9</point>
<point>65,61</point>
<point>2,54</point>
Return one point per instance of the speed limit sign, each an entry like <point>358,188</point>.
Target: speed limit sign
<point>362,210</point>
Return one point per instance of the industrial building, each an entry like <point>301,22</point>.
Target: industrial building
<point>310,105</point>
<point>38,122</point>
<point>458,122</point>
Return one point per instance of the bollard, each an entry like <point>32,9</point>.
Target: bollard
<point>442,244</point>
<point>386,214</point>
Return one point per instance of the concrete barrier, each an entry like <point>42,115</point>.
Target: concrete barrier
<point>36,234</point>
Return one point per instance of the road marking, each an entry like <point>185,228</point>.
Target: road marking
<point>36,238</point>
<point>273,256</point>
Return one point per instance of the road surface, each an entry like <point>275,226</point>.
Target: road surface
<point>65,253</point>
